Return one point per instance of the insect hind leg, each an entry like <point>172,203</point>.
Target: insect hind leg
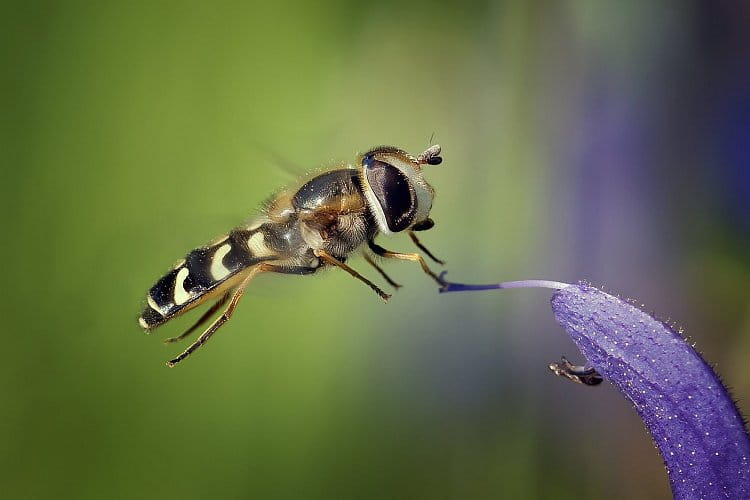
<point>218,322</point>
<point>206,315</point>
<point>227,314</point>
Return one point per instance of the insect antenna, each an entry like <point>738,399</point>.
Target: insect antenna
<point>431,156</point>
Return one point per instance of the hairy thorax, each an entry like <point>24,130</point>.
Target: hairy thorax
<point>327,213</point>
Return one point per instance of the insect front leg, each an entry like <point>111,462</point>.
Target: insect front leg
<point>415,257</point>
<point>424,248</point>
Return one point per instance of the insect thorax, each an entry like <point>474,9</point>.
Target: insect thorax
<point>328,213</point>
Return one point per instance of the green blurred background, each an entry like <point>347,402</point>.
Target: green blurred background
<point>582,140</point>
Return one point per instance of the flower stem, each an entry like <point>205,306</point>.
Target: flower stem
<point>460,287</point>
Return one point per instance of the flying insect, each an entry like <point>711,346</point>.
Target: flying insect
<point>315,225</point>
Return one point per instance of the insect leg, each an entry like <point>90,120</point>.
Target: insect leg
<point>380,270</point>
<point>423,248</point>
<point>300,270</point>
<point>218,322</point>
<point>330,259</point>
<point>206,315</point>
<point>406,256</point>
<point>578,374</point>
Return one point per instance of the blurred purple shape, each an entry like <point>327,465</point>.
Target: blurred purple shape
<point>691,417</point>
<point>733,156</point>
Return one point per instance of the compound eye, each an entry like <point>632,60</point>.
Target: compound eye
<point>393,192</point>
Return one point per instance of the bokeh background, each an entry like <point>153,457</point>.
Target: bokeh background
<point>606,141</point>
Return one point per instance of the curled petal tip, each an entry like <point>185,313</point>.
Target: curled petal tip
<point>689,413</point>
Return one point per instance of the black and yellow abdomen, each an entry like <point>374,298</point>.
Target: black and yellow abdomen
<point>203,273</point>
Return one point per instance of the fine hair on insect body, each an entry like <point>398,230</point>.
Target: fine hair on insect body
<point>315,224</point>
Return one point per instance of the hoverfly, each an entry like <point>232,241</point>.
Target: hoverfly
<point>301,230</point>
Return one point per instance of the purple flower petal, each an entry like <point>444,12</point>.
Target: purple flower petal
<point>694,422</point>
<point>691,417</point>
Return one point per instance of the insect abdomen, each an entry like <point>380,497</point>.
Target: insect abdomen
<point>203,271</point>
